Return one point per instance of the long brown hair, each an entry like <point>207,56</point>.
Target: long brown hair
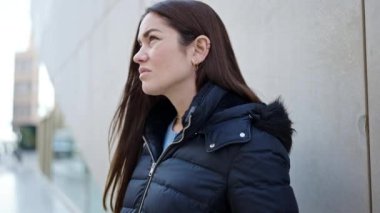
<point>190,19</point>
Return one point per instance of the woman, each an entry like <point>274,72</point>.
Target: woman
<point>191,135</point>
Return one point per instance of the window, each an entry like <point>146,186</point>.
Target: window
<point>22,111</point>
<point>24,65</point>
<point>23,88</point>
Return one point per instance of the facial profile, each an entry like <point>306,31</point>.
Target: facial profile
<point>164,64</point>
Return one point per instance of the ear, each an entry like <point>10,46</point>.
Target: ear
<point>202,46</point>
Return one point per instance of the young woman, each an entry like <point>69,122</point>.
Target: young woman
<point>190,135</point>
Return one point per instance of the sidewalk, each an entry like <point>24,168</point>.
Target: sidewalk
<point>24,189</point>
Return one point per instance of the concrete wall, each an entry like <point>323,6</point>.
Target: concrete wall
<point>309,52</point>
<point>86,46</point>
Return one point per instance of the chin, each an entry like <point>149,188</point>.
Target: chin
<point>149,90</point>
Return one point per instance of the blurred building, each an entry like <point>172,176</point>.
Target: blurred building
<point>25,106</point>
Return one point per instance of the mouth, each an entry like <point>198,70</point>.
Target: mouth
<point>143,70</point>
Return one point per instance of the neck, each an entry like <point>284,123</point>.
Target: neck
<point>181,100</point>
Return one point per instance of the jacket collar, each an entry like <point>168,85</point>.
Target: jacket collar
<point>199,111</point>
<point>203,106</point>
<point>213,108</point>
<point>225,118</point>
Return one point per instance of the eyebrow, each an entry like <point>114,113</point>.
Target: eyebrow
<point>147,33</point>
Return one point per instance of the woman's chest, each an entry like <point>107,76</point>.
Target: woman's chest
<point>187,178</point>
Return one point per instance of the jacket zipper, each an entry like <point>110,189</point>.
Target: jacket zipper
<point>155,163</point>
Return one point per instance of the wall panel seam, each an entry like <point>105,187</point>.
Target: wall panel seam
<point>367,130</point>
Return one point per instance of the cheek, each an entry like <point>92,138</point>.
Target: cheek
<point>171,61</point>
<point>170,67</point>
<point>167,53</point>
<point>163,56</point>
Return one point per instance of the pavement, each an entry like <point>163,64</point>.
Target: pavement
<point>23,188</point>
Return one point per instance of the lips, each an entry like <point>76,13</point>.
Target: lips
<point>143,70</point>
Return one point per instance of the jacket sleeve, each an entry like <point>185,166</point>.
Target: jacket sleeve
<point>258,179</point>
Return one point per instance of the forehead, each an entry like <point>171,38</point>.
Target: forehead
<point>152,21</point>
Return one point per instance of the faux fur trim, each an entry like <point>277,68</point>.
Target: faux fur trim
<point>273,118</point>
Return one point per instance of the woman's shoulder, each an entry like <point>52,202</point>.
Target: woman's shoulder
<point>260,125</point>
<point>272,123</point>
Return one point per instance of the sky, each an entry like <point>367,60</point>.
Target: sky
<point>14,37</point>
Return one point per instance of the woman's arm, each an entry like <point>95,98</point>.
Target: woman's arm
<point>259,178</point>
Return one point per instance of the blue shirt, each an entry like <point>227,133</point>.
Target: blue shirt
<point>169,136</point>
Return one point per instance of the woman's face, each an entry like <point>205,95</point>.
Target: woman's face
<point>165,64</point>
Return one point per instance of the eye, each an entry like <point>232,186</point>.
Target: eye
<point>151,39</point>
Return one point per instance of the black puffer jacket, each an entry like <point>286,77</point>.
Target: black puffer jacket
<point>231,156</point>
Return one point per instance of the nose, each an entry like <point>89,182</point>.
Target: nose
<point>140,57</point>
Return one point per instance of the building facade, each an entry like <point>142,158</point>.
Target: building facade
<point>25,106</point>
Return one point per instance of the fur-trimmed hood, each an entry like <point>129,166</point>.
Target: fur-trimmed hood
<point>273,118</point>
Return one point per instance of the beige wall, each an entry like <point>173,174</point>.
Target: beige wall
<point>309,52</point>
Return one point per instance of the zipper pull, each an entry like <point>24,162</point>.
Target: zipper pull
<point>152,169</point>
